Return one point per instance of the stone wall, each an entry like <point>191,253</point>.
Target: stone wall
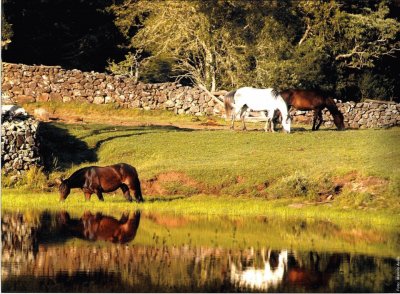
<point>22,83</point>
<point>19,142</point>
<point>370,114</point>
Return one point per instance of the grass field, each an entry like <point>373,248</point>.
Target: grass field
<point>325,174</point>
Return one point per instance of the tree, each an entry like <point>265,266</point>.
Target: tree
<point>332,45</point>
<point>195,34</point>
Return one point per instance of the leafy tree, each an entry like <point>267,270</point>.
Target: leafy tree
<point>197,35</point>
<point>6,30</point>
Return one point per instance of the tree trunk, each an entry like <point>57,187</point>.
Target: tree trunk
<point>210,79</point>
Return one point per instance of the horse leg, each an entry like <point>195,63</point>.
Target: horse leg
<point>242,114</point>
<point>87,195</point>
<point>266,127</point>
<point>272,125</point>
<point>100,195</point>
<point>125,190</point>
<point>134,185</point>
<point>315,117</point>
<point>271,121</point>
<point>320,120</point>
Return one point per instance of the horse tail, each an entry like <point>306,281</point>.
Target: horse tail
<point>338,118</point>
<point>229,102</point>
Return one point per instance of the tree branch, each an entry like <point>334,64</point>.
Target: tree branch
<point>305,35</point>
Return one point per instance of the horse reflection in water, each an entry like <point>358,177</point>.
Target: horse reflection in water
<point>97,226</point>
<point>283,268</point>
<point>271,275</point>
<point>312,277</point>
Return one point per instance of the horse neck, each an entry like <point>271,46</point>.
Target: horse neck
<point>77,179</point>
<point>331,105</point>
<point>281,105</point>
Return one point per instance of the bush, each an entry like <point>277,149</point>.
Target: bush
<point>33,179</point>
<point>301,185</point>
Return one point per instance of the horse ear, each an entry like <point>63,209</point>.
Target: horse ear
<point>58,181</point>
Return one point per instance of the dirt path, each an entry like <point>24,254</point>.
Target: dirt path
<point>196,123</point>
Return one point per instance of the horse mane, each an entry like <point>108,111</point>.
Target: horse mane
<point>275,92</point>
<point>228,101</point>
<point>76,176</point>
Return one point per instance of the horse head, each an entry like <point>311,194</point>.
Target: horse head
<point>286,124</point>
<point>64,190</point>
<point>338,120</point>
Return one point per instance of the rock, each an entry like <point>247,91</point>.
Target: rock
<point>98,100</point>
<point>41,114</point>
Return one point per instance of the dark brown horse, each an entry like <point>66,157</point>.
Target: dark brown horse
<point>101,227</point>
<point>96,179</point>
<point>313,100</point>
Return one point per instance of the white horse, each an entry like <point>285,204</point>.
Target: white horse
<point>264,100</point>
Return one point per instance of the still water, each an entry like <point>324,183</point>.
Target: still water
<point>147,252</point>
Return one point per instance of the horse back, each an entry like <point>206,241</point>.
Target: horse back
<point>304,99</point>
<point>256,99</point>
<point>111,177</point>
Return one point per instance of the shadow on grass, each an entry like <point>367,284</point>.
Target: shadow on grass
<point>60,150</point>
<point>165,199</point>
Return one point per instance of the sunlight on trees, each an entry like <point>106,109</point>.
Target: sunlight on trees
<point>226,44</point>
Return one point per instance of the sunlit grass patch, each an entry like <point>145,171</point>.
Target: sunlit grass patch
<point>347,170</point>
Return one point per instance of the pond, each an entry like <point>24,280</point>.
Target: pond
<point>149,252</point>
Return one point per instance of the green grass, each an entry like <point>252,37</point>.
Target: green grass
<point>224,205</point>
<point>244,163</point>
<point>256,173</point>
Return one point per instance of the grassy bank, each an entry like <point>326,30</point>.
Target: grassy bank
<point>351,175</point>
<point>223,205</point>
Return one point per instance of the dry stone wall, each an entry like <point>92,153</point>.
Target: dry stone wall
<point>23,83</point>
<point>370,114</point>
<point>19,142</point>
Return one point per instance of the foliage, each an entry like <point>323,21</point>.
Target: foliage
<point>308,44</point>
<point>33,179</point>
<point>6,31</point>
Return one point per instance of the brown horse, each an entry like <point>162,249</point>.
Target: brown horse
<point>96,179</point>
<point>313,100</point>
<point>101,227</point>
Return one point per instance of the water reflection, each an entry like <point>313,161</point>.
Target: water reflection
<point>261,279</point>
<point>313,275</point>
<point>101,227</point>
<point>61,253</point>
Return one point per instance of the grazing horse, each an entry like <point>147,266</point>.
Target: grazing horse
<point>264,100</point>
<point>97,226</point>
<point>96,179</point>
<point>313,100</point>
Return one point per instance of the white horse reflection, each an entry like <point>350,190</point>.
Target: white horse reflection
<point>260,278</point>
